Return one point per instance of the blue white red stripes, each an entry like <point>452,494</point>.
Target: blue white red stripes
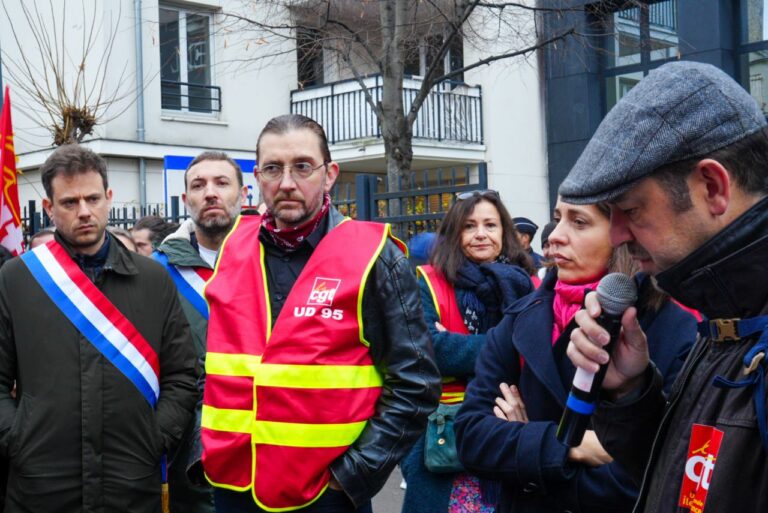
<point>190,282</point>
<point>94,315</point>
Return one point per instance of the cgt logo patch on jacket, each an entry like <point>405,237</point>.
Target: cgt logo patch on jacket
<point>323,291</point>
<point>699,467</point>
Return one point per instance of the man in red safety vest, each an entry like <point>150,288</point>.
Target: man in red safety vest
<point>319,371</point>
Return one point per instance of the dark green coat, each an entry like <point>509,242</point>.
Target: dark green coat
<point>80,436</point>
<point>186,497</point>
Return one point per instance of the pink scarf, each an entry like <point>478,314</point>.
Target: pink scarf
<point>290,238</point>
<point>568,300</point>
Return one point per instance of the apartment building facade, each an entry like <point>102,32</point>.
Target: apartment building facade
<point>185,81</point>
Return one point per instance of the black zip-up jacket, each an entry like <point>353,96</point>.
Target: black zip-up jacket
<point>727,277</point>
<point>400,347</point>
<point>80,436</point>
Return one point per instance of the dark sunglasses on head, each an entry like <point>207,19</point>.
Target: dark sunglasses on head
<point>469,194</point>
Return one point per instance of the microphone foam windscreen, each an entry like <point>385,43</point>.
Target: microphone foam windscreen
<point>616,292</point>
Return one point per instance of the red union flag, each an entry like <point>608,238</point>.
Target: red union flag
<point>11,235</point>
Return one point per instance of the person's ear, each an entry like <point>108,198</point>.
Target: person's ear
<point>48,206</point>
<point>330,176</point>
<point>711,182</point>
<point>243,195</point>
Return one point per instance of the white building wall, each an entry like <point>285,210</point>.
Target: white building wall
<point>513,128</point>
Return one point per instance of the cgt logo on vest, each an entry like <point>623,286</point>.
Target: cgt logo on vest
<point>322,294</point>
<point>323,291</point>
<point>699,467</point>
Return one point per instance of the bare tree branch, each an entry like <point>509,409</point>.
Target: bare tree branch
<point>70,89</point>
<point>508,55</point>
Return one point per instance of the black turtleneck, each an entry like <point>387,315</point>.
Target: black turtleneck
<point>727,276</point>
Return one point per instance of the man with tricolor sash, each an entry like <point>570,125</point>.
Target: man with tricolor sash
<point>95,339</point>
<point>213,195</point>
<point>319,372</point>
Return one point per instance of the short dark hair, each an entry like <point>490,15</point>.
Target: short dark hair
<point>152,223</point>
<point>215,156</point>
<point>158,227</point>
<point>41,232</point>
<point>447,256</point>
<point>71,159</point>
<point>291,122</point>
<point>746,161</point>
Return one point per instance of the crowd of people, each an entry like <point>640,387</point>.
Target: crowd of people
<point>288,359</point>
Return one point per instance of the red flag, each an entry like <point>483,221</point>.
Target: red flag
<point>11,235</point>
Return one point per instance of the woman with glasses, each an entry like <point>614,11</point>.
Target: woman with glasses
<point>477,269</point>
<point>506,429</point>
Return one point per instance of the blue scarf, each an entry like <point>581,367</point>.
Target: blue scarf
<point>487,289</point>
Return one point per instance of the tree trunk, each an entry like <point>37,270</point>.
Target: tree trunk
<point>395,131</point>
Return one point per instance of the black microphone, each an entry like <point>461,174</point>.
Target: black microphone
<point>615,293</point>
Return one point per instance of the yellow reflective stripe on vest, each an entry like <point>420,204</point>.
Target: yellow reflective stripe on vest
<point>293,376</point>
<point>306,435</point>
<point>317,376</point>
<point>225,364</point>
<point>222,419</point>
<point>281,433</point>
<point>435,302</point>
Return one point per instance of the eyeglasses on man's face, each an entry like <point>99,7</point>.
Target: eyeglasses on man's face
<point>482,193</point>
<point>298,170</point>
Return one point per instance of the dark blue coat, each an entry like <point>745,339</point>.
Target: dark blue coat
<point>527,458</point>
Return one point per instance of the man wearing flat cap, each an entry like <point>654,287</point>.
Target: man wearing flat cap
<point>683,161</point>
<point>526,230</point>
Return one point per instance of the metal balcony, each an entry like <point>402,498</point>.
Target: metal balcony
<point>661,15</point>
<point>452,111</point>
<point>190,97</point>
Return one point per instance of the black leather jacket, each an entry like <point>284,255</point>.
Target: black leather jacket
<point>401,349</point>
<point>725,278</point>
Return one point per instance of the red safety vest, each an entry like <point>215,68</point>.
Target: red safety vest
<point>444,298</point>
<point>281,404</point>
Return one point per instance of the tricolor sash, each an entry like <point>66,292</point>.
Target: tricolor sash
<point>190,282</point>
<point>94,315</point>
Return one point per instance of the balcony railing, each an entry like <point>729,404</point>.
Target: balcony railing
<point>190,97</point>
<point>452,111</point>
<point>661,14</point>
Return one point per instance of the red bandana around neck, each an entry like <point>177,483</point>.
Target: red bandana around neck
<point>290,238</point>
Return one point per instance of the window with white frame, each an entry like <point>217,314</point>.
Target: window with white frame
<point>185,61</point>
<point>420,54</point>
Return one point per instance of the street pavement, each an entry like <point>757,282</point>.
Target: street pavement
<point>390,498</point>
